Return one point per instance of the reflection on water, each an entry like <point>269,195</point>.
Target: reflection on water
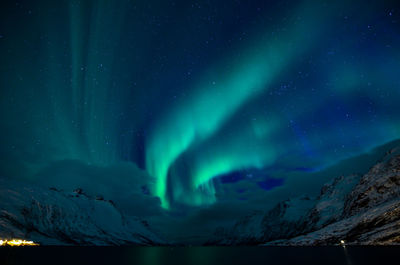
<point>199,255</point>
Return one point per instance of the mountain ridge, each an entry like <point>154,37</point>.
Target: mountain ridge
<point>358,209</point>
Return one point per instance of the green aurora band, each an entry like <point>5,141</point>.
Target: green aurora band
<point>100,83</point>
<point>222,91</point>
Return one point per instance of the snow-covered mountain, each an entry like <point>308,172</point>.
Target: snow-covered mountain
<point>356,209</point>
<point>283,220</point>
<point>51,216</point>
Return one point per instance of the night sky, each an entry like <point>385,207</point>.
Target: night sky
<point>193,113</point>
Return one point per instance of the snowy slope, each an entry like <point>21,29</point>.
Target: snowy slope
<point>371,213</point>
<point>357,209</point>
<point>379,185</point>
<point>331,202</point>
<point>378,226</point>
<point>284,220</point>
<point>50,216</point>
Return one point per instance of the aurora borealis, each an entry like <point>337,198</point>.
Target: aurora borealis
<point>217,96</point>
<point>163,99</point>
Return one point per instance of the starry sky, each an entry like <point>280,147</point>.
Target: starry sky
<point>196,110</point>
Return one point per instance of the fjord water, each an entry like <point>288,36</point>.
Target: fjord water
<point>353,255</point>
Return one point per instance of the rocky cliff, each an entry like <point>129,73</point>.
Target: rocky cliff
<point>55,217</point>
<point>356,209</point>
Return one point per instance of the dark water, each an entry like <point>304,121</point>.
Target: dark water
<point>199,255</point>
